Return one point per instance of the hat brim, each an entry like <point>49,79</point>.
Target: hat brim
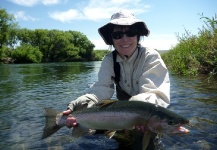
<point>105,31</point>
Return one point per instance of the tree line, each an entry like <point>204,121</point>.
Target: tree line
<point>21,45</point>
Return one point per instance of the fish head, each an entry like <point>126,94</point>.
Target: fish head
<point>164,121</point>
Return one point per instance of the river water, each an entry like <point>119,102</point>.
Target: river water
<point>26,89</point>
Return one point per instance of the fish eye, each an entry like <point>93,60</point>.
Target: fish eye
<point>171,122</point>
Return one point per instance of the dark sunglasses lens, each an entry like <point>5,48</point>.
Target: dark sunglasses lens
<point>117,35</point>
<point>131,33</point>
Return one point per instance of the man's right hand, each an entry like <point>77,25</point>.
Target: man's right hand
<point>70,121</point>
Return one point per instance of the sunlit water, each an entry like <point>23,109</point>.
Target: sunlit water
<point>26,89</point>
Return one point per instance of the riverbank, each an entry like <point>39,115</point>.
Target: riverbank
<point>195,54</point>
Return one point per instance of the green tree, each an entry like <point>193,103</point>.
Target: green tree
<point>84,45</point>
<point>27,54</point>
<point>41,44</point>
<point>58,46</point>
<point>8,28</point>
<point>6,25</point>
<point>3,52</point>
<point>25,36</point>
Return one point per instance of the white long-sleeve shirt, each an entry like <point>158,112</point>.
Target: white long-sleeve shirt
<point>144,76</point>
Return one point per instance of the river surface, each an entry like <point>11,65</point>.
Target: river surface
<point>26,89</point>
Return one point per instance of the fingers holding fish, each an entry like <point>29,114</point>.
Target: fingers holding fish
<point>141,128</point>
<point>71,122</point>
<point>67,112</point>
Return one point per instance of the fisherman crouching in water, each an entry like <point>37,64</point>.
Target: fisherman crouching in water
<point>139,74</point>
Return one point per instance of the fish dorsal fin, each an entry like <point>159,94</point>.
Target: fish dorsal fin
<point>105,103</point>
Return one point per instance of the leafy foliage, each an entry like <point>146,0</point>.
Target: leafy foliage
<point>7,27</point>
<point>99,54</point>
<point>41,45</point>
<point>58,46</point>
<point>195,54</point>
<point>27,54</point>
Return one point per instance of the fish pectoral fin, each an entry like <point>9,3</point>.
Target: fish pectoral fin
<point>146,139</point>
<point>79,131</point>
<point>104,103</point>
<point>109,134</point>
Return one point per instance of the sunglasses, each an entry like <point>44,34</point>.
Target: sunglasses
<point>119,34</point>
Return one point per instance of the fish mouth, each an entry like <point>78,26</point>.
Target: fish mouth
<point>179,130</point>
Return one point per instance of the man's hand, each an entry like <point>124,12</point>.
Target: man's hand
<point>70,121</point>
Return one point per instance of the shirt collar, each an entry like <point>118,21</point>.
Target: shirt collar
<point>133,57</point>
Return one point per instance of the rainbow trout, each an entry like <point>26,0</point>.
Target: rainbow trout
<point>118,115</point>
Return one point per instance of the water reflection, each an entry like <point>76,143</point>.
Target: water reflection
<point>25,89</point>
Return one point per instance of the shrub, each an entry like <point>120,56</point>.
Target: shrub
<point>27,54</point>
<point>195,54</point>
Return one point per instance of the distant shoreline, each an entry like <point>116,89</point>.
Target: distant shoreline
<point>162,51</point>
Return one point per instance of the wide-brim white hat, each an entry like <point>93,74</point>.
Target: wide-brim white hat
<point>122,17</point>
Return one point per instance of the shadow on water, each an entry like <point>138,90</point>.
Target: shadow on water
<point>25,90</point>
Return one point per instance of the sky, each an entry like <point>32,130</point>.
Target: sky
<point>165,18</point>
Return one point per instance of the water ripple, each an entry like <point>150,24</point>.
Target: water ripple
<point>26,89</point>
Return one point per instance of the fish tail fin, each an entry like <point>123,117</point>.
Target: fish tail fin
<point>50,122</point>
